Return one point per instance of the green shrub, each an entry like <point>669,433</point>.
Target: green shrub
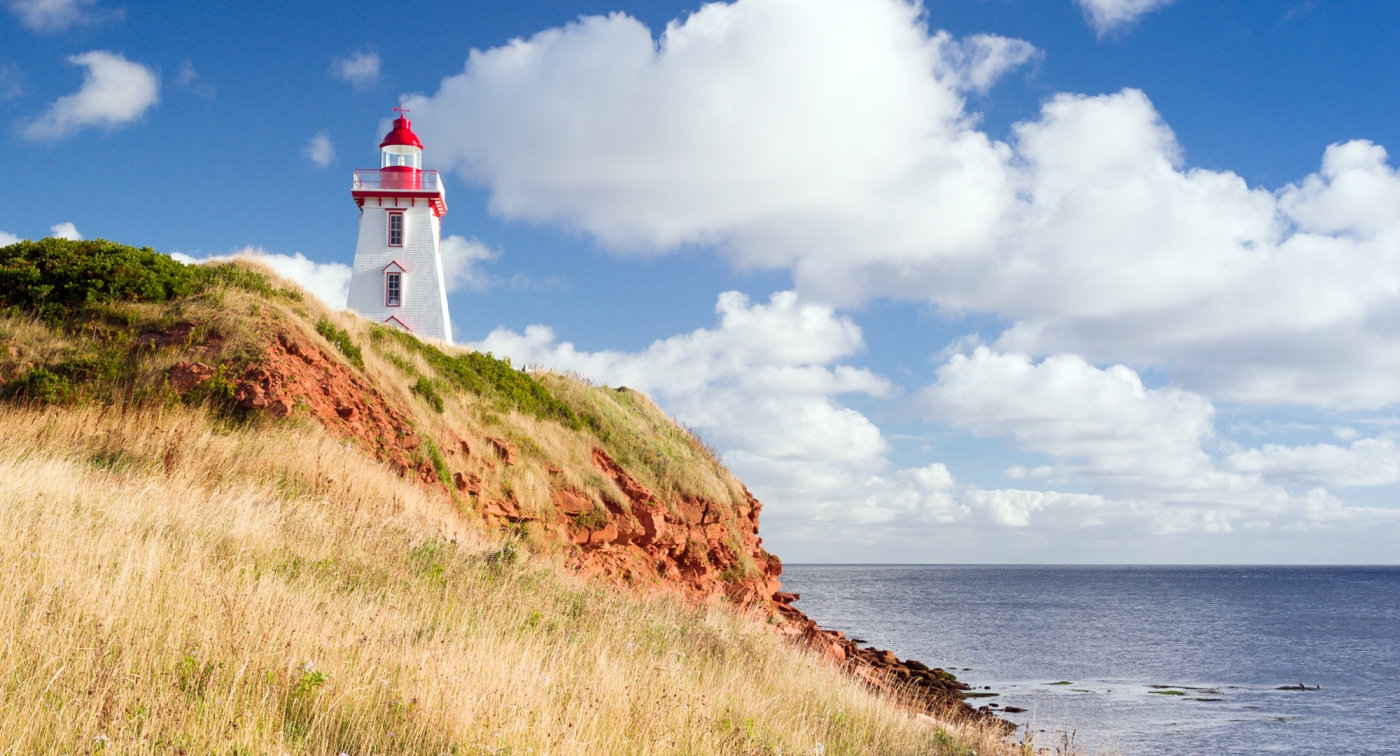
<point>593,519</point>
<point>342,341</point>
<point>425,388</point>
<point>484,375</point>
<point>53,277</point>
<point>218,390</point>
<point>401,364</point>
<point>41,386</point>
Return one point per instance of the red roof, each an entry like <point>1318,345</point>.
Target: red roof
<point>402,133</point>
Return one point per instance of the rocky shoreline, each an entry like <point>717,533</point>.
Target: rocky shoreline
<point>927,690</point>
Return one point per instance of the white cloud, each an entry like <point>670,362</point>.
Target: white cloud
<point>1107,16</point>
<point>320,150</point>
<point>65,230</point>
<point>1145,451</point>
<point>460,257</point>
<point>1366,462</point>
<point>7,239</point>
<point>57,15</point>
<point>115,92</point>
<point>361,69</point>
<point>1063,406</point>
<point>767,123</point>
<point>757,385</point>
<point>830,139</point>
<point>328,282</point>
<point>979,60</point>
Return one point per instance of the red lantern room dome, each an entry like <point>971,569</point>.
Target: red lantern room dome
<point>401,153</point>
<point>400,180</point>
<point>402,134</point>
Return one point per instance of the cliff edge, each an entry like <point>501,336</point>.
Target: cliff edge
<point>597,479</point>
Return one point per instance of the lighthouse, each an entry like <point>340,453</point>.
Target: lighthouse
<point>397,278</point>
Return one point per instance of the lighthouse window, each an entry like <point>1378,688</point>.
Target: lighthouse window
<point>396,229</point>
<point>400,156</point>
<point>393,289</point>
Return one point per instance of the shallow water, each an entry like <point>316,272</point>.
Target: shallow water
<point>1224,637</point>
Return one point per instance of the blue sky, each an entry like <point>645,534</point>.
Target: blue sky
<point>1059,281</point>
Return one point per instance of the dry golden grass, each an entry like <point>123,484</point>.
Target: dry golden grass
<point>177,583</point>
<point>172,585</point>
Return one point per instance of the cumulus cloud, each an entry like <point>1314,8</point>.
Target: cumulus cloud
<point>1107,16</point>
<point>979,60</point>
<point>1365,462</point>
<point>320,150</point>
<point>328,282</point>
<point>742,123</point>
<point>361,69</point>
<point>114,93</point>
<point>831,139</point>
<point>1120,430</point>
<point>6,239</point>
<point>460,259</point>
<point>759,383</point>
<point>48,16</point>
<point>65,230</point>
<point>1147,452</point>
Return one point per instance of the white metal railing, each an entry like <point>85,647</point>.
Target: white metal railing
<point>405,181</point>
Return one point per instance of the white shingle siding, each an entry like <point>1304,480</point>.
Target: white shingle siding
<point>424,308</point>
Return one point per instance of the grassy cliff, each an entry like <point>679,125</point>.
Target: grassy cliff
<point>234,521</point>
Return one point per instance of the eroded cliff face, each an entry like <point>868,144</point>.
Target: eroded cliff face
<point>642,540</point>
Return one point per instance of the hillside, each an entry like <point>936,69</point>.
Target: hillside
<point>240,522</point>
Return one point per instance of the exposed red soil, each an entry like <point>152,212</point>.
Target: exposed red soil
<point>293,375</point>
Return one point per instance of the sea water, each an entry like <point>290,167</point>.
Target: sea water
<point>1145,660</point>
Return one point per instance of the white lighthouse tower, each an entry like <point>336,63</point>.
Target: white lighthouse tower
<point>398,262</point>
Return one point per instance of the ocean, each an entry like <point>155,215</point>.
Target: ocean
<point>1145,660</point>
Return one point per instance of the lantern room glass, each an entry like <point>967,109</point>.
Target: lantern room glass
<point>401,156</point>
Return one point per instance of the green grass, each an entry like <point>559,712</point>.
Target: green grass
<point>425,388</point>
<point>439,464</point>
<point>486,376</point>
<point>342,342</point>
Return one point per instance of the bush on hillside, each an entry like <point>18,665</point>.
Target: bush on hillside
<point>53,277</point>
<point>484,375</point>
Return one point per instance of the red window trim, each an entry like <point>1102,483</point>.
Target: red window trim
<point>389,229</point>
<point>387,275</point>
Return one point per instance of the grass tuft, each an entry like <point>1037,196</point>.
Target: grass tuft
<point>424,387</point>
<point>341,339</point>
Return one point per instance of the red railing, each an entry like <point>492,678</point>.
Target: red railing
<point>407,181</point>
